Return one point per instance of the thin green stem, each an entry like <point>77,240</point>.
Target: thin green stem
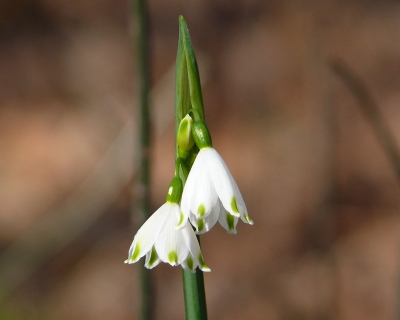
<point>143,200</point>
<point>195,113</point>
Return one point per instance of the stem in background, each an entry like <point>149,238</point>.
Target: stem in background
<point>371,111</point>
<point>143,199</point>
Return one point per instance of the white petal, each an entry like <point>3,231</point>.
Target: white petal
<point>148,233</point>
<point>242,206</point>
<point>194,248</point>
<point>202,196</point>
<point>238,195</point>
<point>187,197</point>
<point>222,180</point>
<point>205,197</point>
<point>228,221</point>
<point>170,245</point>
<point>203,225</point>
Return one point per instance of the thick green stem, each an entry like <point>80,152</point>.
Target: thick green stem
<point>195,294</point>
<point>143,200</point>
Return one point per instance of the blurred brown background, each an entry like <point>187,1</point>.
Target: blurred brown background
<point>320,189</point>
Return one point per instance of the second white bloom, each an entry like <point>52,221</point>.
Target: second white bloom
<point>211,194</point>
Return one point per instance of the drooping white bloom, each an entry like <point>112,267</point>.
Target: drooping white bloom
<point>211,194</point>
<point>159,239</point>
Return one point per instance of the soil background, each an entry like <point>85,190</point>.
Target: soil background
<point>324,198</point>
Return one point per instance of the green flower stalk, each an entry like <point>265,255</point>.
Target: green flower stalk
<point>202,191</point>
<point>210,193</point>
<point>188,96</point>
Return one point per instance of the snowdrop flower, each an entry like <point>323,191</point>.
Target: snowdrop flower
<point>210,194</point>
<point>159,240</point>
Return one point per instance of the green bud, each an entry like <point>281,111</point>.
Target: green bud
<point>185,138</point>
<point>175,190</point>
<point>201,135</point>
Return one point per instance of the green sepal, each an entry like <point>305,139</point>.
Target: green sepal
<point>201,135</point>
<point>175,190</point>
<point>184,137</point>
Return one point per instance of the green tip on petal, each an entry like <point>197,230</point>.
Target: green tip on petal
<point>203,265</point>
<point>231,222</point>
<point>200,225</point>
<point>136,252</point>
<point>248,219</point>
<point>189,262</point>
<point>234,205</point>
<point>181,220</point>
<point>201,210</point>
<point>173,257</point>
<point>153,257</point>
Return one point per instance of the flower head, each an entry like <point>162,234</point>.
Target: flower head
<point>159,240</point>
<point>211,194</point>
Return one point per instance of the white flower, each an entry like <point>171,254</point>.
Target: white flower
<point>159,240</point>
<point>211,194</point>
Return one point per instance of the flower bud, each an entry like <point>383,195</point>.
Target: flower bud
<point>201,135</point>
<point>175,190</point>
<point>185,138</point>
